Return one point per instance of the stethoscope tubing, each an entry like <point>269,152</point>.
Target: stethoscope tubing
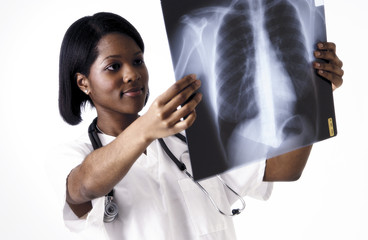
<point>182,167</point>
<point>93,130</point>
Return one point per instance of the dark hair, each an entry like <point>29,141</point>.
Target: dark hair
<point>77,54</point>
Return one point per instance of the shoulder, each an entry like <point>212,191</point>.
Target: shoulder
<point>80,146</point>
<point>62,158</point>
<point>65,156</point>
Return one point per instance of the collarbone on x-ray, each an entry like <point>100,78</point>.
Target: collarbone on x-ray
<point>259,58</point>
<point>254,58</point>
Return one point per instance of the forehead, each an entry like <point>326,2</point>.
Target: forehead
<point>116,43</point>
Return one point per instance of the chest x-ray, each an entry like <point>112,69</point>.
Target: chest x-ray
<point>262,97</point>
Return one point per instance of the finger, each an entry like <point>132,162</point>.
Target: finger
<point>327,51</point>
<point>182,97</point>
<point>329,56</point>
<point>329,46</point>
<point>185,111</point>
<point>329,67</point>
<point>186,123</point>
<point>180,125</point>
<point>335,79</point>
<point>176,88</point>
<point>166,110</point>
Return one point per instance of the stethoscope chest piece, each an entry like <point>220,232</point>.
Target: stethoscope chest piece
<point>111,209</point>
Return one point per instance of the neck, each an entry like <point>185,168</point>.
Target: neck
<point>113,126</point>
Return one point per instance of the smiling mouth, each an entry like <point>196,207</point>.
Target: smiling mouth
<point>134,92</point>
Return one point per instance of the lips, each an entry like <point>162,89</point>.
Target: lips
<point>133,92</point>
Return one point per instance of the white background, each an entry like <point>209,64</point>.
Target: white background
<point>330,201</point>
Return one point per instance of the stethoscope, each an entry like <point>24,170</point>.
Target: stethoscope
<point>111,208</point>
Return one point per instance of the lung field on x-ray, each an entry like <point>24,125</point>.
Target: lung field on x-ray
<point>235,69</point>
<point>284,30</point>
<point>262,68</point>
<point>259,90</point>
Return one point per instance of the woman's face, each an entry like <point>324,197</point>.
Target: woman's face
<point>118,79</point>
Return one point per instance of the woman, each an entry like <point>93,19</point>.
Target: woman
<point>101,62</point>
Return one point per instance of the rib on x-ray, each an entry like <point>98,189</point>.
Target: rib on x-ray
<point>235,83</point>
<point>254,59</point>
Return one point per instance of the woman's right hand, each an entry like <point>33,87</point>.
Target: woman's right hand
<point>95,178</point>
<point>167,115</point>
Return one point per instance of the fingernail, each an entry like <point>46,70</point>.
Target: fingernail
<point>320,71</point>
<point>317,53</point>
<point>320,45</point>
<point>198,95</point>
<point>193,76</point>
<point>317,64</point>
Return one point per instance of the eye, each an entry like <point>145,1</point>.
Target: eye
<point>138,62</point>
<point>113,67</point>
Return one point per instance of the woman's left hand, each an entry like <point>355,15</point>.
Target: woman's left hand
<point>331,68</point>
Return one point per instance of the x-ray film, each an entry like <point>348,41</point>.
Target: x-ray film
<point>261,96</point>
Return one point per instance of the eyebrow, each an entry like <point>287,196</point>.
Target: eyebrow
<point>119,56</point>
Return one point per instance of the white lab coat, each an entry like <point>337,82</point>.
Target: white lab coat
<point>156,200</point>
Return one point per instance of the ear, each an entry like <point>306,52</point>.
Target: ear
<point>82,82</point>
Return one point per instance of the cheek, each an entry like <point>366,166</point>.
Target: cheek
<point>145,76</point>
<point>108,86</point>
<point>105,84</point>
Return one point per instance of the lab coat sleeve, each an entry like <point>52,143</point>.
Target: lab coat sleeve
<point>66,158</point>
<point>248,181</point>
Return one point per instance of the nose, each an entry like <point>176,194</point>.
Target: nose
<point>130,74</point>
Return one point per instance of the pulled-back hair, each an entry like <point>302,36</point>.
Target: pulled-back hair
<point>77,54</point>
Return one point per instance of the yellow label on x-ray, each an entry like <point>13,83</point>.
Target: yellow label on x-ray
<point>331,127</point>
